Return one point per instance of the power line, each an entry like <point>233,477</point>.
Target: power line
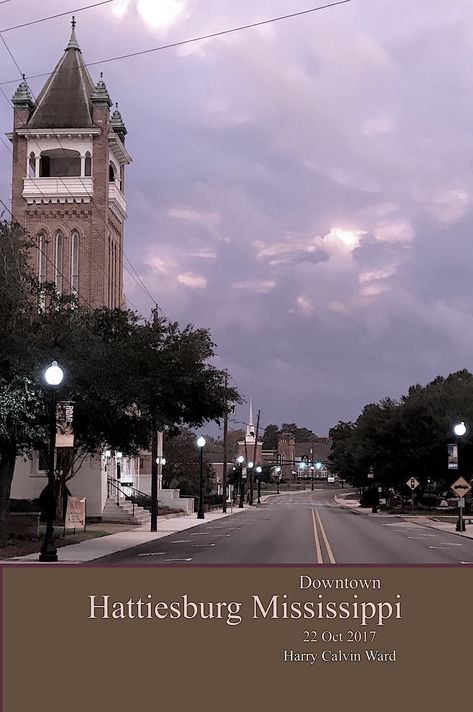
<point>53,17</point>
<point>196,39</point>
<point>137,279</point>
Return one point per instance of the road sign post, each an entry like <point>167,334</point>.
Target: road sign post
<point>413,484</point>
<point>460,488</point>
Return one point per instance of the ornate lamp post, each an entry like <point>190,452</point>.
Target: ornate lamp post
<point>53,376</point>
<point>200,444</point>
<point>460,429</point>
<point>249,470</point>
<point>259,470</point>
<point>240,461</point>
<point>278,478</point>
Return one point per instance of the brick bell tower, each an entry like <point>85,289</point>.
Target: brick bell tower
<point>68,181</point>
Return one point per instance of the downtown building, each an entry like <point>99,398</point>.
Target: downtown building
<point>68,194</point>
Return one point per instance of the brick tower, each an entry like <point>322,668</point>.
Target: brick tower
<point>68,178</point>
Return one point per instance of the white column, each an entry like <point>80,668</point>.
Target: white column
<point>82,166</point>
<point>36,167</point>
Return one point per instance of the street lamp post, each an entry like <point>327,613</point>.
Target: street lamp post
<point>53,377</point>
<point>312,478</point>
<point>428,491</point>
<point>200,445</point>
<point>249,469</point>
<point>259,470</point>
<point>241,460</point>
<point>278,473</point>
<point>302,473</point>
<point>460,429</point>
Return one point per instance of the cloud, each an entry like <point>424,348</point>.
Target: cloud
<point>192,280</point>
<point>255,286</point>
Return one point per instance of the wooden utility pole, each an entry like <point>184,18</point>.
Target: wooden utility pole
<point>252,471</point>
<point>225,449</point>
<point>154,482</point>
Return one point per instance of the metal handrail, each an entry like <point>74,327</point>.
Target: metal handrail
<point>115,488</point>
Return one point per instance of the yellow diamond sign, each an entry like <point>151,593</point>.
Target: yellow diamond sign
<point>461,487</point>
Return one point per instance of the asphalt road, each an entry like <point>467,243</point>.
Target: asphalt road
<point>303,528</point>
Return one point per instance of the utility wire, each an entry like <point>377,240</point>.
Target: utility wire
<point>196,39</point>
<point>53,17</point>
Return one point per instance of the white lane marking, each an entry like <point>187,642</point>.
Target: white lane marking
<point>154,553</point>
<point>180,541</point>
<point>444,548</point>
<point>468,563</point>
<point>329,549</point>
<point>423,536</point>
<point>204,545</point>
<point>220,535</point>
<point>201,534</point>
<point>450,543</point>
<point>190,559</point>
<point>317,542</point>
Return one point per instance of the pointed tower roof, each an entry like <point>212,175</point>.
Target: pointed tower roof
<point>65,100</point>
<point>100,93</point>
<point>117,124</point>
<point>22,97</point>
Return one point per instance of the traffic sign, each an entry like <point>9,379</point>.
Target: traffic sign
<point>461,503</point>
<point>461,487</point>
<point>412,483</point>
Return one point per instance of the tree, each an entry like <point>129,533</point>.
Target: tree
<point>301,435</point>
<point>182,469</point>
<point>409,437</point>
<point>270,437</point>
<point>127,377</point>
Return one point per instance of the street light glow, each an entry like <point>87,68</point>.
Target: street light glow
<point>460,429</point>
<point>318,465</point>
<point>201,441</point>
<point>54,374</point>
<point>250,464</point>
<point>259,469</point>
<point>240,459</point>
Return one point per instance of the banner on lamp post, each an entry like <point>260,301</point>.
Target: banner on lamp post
<point>452,456</point>
<point>64,427</point>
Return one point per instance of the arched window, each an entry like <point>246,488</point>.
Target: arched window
<point>32,165</point>
<point>59,261</point>
<point>75,262</point>
<point>111,173</point>
<point>41,257</point>
<point>88,164</point>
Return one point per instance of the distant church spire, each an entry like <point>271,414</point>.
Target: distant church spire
<point>250,428</point>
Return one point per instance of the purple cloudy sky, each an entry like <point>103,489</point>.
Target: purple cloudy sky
<point>302,189</point>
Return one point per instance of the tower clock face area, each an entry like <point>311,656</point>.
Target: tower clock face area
<point>68,180</point>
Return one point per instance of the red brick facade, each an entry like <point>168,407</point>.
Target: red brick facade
<point>98,275</point>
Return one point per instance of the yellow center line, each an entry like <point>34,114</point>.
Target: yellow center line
<point>329,549</point>
<point>317,542</point>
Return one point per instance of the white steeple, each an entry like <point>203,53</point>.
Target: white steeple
<point>250,428</point>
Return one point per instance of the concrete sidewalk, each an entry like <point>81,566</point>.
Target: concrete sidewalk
<point>422,520</point>
<point>105,545</point>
